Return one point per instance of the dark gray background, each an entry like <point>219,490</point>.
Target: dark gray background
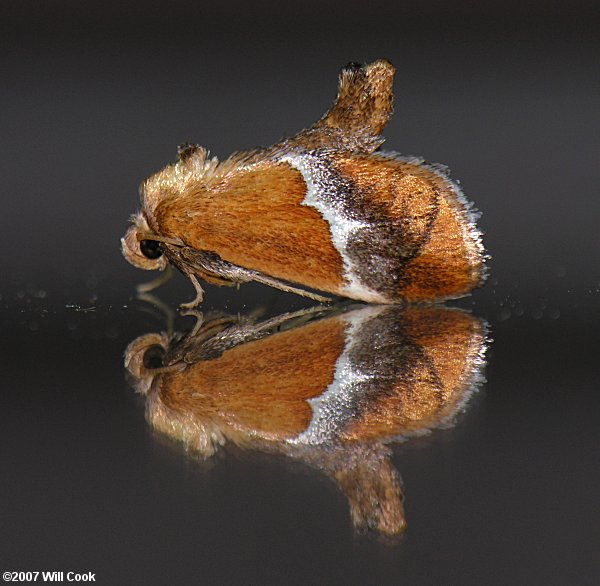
<point>93,98</point>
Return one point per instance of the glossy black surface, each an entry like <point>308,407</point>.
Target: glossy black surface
<point>93,101</point>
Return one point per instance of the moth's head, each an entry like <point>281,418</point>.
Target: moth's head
<point>142,357</point>
<point>140,249</point>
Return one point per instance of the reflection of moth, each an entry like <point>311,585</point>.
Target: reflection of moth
<point>330,392</point>
<point>324,210</point>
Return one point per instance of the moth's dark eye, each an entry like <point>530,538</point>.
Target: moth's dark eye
<point>150,249</point>
<point>153,357</point>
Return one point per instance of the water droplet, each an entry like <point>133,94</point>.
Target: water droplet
<point>554,313</point>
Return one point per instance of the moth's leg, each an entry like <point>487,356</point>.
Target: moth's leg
<point>155,283</point>
<point>218,281</point>
<point>218,269</point>
<point>301,315</point>
<point>235,275</point>
<point>220,334</point>
<point>199,293</point>
<point>288,288</point>
<point>197,343</point>
<point>198,316</point>
<point>295,318</point>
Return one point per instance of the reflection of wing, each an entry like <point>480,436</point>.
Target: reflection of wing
<point>366,375</point>
<point>329,392</point>
<point>400,373</point>
<point>361,110</point>
<point>428,364</point>
<point>258,390</point>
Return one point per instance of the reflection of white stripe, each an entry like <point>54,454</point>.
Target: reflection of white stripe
<point>335,406</point>
<point>321,194</point>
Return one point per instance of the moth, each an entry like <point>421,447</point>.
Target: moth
<point>324,211</point>
<point>308,385</point>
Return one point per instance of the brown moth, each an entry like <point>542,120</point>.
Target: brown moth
<point>324,210</point>
<point>330,389</point>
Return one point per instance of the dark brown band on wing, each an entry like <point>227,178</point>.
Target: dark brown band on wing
<point>426,372</point>
<point>398,222</point>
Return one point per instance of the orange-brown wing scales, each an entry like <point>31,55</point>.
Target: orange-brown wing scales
<point>261,388</point>
<point>434,373</point>
<point>255,219</point>
<point>416,242</point>
<point>450,263</point>
<point>420,242</point>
